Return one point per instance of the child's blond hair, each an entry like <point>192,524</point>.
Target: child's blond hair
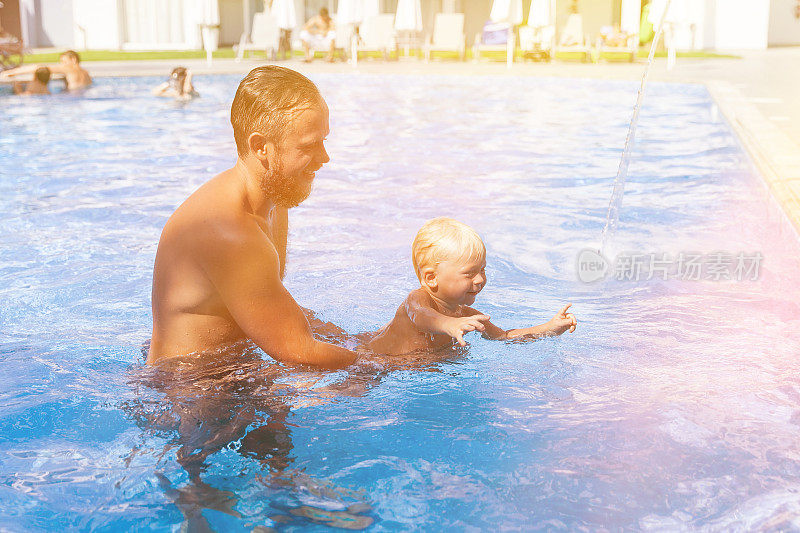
<point>445,239</point>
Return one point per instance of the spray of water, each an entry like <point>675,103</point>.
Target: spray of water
<point>612,219</point>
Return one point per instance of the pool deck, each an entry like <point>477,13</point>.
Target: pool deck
<point>758,94</point>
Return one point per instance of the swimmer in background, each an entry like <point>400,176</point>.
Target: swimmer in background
<point>38,85</point>
<point>75,76</point>
<point>450,260</point>
<point>178,86</point>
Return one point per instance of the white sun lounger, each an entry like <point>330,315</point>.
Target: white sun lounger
<point>572,38</point>
<point>377,34</point>
<point>448,35</point>
<point>264,35</point>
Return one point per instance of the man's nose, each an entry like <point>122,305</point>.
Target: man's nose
<point>480,279</point>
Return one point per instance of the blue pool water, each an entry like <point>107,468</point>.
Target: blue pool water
<point>675,405</point>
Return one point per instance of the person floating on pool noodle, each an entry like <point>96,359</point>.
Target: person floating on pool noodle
<point>75,76</point>
<point>38,85</point>
<point>450,260</point>
<point>178,86</point>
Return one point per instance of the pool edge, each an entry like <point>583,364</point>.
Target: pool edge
<point>775,154</point>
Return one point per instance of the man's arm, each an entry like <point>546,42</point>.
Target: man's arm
<point>161,89</point>
<point>429,320</point>
<point>55,68</point>
<point>245,269</point>
<point>311,25</point>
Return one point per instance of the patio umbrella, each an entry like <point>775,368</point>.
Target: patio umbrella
<point>208,19</point>
<point>678,11</point>
<point>371,8</point>
<point>284,13</point>
<point>540,14</point>
<point>507,11</point>
<point>356,11</point>
<point>408,16</point>
<point>349,12</point>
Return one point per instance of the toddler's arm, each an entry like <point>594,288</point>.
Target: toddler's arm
<point>557,325</point>
<point>429,320</point>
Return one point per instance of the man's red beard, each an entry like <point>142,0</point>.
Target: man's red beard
<point>285,190</point>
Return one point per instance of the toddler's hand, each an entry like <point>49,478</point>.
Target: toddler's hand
<point>457,327</point>
<point>562,322</point>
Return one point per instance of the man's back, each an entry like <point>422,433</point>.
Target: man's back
<point>76,77</point>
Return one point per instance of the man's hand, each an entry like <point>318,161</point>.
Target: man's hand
<point>562,322</point>
<point>457,327</point>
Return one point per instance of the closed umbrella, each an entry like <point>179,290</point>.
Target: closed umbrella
<point>507,11</point>
<point>371,8</point>
<point>408,19</point>
<point>286,18</point>
<point>353,13</point>
<point>284,13</point>
<point>408,16</point>
<point>540,14</point>
<point>350,12</point>
<point>208,19</point>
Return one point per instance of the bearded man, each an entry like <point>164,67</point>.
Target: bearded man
<point>222,254</point>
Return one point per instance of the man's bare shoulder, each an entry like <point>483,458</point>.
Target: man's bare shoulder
<point>214,225</point>
<point>216,210</point>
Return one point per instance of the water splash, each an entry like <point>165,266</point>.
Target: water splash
<point>612,218</point>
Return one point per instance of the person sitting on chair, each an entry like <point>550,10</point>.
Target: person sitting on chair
<point>319,34</point>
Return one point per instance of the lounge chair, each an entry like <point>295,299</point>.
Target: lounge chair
<point>613,41</point>
<point>537,42</point>
<point>573,40</point>
<point>264,35</point>
<point>11,51</point>
<point>377,34</point>
<point>448,35</point>
<point>345,36</point>
<point>495,37</point>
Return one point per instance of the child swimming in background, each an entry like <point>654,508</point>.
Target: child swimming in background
<point>450,260</point>
<point>75,76</point>
<point>38,85</point>
<point>178,86</point>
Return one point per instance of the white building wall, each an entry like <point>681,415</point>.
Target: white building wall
<point>97,24</point>
<point>784,24</point>
<point>161,24</point>
<point>46,23</point>
<point>741,24</point>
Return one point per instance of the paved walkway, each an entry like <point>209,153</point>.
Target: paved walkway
<point>759,94</point>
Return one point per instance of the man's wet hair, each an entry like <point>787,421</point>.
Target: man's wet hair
<point>72,54</point>
<point>42,74</point>
<point>323,12</point>
<point>178,72</point>
<point>265,102</point>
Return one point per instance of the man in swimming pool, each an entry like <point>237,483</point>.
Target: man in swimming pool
<point>221,257</point>
<point>75,76</point>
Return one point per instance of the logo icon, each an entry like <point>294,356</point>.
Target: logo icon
<point>591,266</point>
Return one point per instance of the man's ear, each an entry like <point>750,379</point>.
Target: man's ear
<point>261,147</point>
<point>428,275</point>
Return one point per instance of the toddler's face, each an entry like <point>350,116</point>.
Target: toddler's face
<point>459,282</point>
